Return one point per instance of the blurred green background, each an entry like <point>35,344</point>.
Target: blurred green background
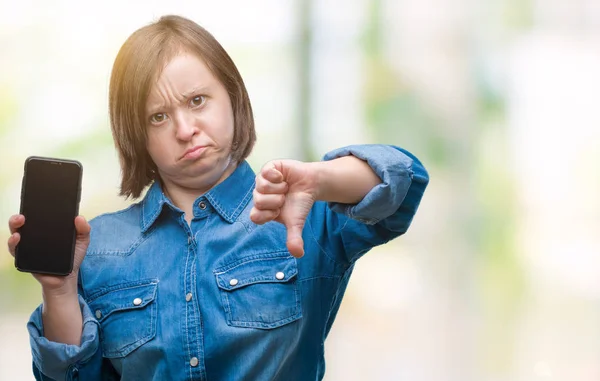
<point>496,280</point>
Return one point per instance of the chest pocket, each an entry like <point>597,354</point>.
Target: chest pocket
<point>261,292</point>
<point>127,316</point>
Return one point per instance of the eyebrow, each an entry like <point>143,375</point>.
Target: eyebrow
<point>195,90</point>
<point>185,95</point>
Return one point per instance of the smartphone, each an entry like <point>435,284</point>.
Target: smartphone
<point>50,195</point>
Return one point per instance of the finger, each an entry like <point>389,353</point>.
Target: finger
<point>271,173</point>
<point>268,201</point>
<point>82,226</point>
<point>13,241</point>
<point>16,222</point>
<point>295,243</point>
<point>260,217</point>
<point>265,186</point>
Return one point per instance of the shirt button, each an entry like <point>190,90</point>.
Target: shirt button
<point>280,275</point>
<point>202,205</point>
<point>188,297</point>
<point>189,240</point>
<point>233,282</point>
<point>98,314</point>
<point>137,301</point>
<point>194,361</point>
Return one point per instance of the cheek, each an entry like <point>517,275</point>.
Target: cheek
<point>221,129</point>
<point>154,146</point>
<point>230,127</point>
<point>230,132</point>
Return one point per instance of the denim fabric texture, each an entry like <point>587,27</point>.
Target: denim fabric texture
<point>222,299</point>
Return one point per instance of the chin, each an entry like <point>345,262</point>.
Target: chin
<point>206,165</point>
<point>209,168</point>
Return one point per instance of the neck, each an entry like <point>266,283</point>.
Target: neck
<point>184,197</point>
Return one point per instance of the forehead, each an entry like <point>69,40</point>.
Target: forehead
<point>184,67</point>
<point>181,74</point>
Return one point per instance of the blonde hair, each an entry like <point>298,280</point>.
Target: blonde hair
<point>137,66</point>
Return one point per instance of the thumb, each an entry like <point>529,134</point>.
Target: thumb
<point>82,226</point>
<point>295,243</point>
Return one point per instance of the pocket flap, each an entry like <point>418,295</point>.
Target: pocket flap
<point>122,297</point>
<point>259,270</point>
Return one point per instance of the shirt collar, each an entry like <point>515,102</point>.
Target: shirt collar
<point>228,198</point>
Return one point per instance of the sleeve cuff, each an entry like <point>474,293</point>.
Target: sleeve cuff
<point>393,167</point>
<point>56,360</point>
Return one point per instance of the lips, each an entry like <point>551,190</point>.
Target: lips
<point>193,152</point>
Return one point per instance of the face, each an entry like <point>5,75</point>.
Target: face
<point>190,125</point>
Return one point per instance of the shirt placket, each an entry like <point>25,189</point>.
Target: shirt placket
<point>193,319</point>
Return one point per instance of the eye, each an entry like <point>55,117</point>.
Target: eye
<point>158,118</point>
<point>198,100</point>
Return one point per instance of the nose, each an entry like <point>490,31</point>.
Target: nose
<point>185,127</point>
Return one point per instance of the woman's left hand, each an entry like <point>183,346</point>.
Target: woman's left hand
<point>285,192</point>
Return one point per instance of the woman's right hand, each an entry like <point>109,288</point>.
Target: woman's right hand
<point>55,283</point>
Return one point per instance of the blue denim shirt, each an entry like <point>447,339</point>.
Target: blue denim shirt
<point>222,299</point>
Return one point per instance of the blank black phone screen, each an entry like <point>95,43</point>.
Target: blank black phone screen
<point>50,202</point>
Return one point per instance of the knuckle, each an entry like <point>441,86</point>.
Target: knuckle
<point>275,188</point>
<point>259,218</point>
<point>259,202</point>
<point>283,187</point>
<point>260,185</point>
<point>265,169</point>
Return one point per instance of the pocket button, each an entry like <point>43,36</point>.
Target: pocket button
<point>280,275</point>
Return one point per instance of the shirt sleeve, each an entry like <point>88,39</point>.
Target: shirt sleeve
<point>347,231</point>
<point>58,361</point>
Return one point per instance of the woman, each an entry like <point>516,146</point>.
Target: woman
<point>217,273</point>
